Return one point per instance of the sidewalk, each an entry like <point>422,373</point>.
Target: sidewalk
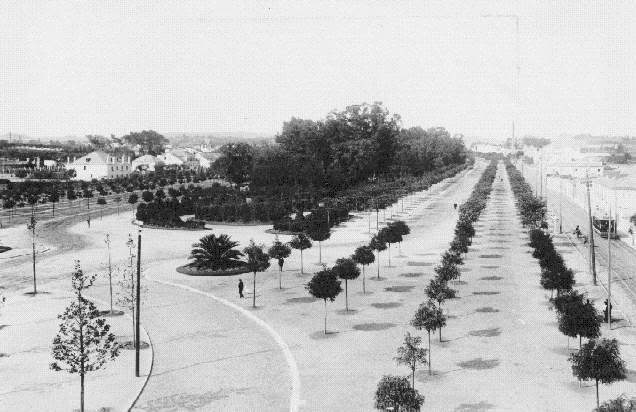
<point>27,327</point>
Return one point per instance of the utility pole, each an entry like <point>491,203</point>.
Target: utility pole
<point>138,303</point>
<point>541,175</point>
<point>32,225</point>
<point>560,205</point>
<point>609,269</point>
<point>591,227</point>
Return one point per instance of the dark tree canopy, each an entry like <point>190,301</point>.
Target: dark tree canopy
<point>363,255</point>
<point>396,392</point>
<point>346,268</point>
<point>324,285</point>
<point>149,141</point>
<point>300,242</point>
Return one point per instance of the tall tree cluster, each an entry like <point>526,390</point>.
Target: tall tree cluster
<point>345,148</point>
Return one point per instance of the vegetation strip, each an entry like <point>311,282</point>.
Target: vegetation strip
<point>599,359</point>
<point>395,391</point>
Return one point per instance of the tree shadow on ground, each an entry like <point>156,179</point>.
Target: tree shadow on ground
<point>490,256</point>
<point>304,299</point>
<point>486,309</point>
<point>486,293</point>
<point>346,312</point>
<point>474,407</point>
<point>373,326</point>
<point>386,305</point>
<point>485,333</point>
<point>411,263</point>
<point>491,278</point>
<point>399,289</point>
<point>479,364</point>
<point>411,275</point>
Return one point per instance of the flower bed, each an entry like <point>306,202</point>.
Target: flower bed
<point>193,271</point>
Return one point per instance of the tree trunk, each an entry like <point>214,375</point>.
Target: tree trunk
<point>597,403</point>
<point>429,352</point>
<point>280,277</point>
<point>81,350</point>
<point>389,252</point>
<point>254,292</point>
<point>346,295</point>
<point>364,290</point>
<point>440,335</point>
<point>82,389</point>
<point>35,289</point>
<point>320,252</point>
<point>579,342</point>
<point>378,259</point>
<point>325,316</point>
<point>301,262</point>
<point>413,378</point>
<point>53,209</point>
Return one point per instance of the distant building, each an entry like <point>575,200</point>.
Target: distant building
<point>99,165</point>
<point>146,162</point>
<point>578,169</point>
<point>179,157</point>
<point>207,158</point>
<point>49,164</point>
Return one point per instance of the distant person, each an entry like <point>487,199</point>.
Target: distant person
<point>577,231</point>
<point>88,220</point>
<point>240,286</point>
<point>605,310</point>
<point>455,206</point>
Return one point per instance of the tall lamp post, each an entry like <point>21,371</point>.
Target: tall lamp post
<point>138,303</point>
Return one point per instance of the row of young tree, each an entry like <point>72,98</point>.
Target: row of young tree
<point>395,391</point>
<point>599,359</point>
<point>32,192</point>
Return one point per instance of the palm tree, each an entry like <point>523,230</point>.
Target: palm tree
<point>216,253</point>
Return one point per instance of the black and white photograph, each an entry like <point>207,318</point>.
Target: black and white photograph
<point>328,205</point>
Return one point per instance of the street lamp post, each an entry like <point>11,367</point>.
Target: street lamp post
<point>138,304</point>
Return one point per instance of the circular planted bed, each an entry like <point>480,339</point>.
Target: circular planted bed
<point>194,271</point>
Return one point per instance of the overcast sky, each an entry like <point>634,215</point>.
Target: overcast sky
<point>77,67</point>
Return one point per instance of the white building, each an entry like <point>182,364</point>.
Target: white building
<point>179,157</point>
<point>99,165</point>
<point>207,158</point>
<point>146,162</point>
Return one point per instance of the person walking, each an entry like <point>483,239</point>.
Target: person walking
<point>455,206</point>
<point>88,220</point>
<point>240,287</point>
<point>577,231</point>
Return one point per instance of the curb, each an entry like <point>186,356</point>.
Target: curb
<point>144,331</point>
